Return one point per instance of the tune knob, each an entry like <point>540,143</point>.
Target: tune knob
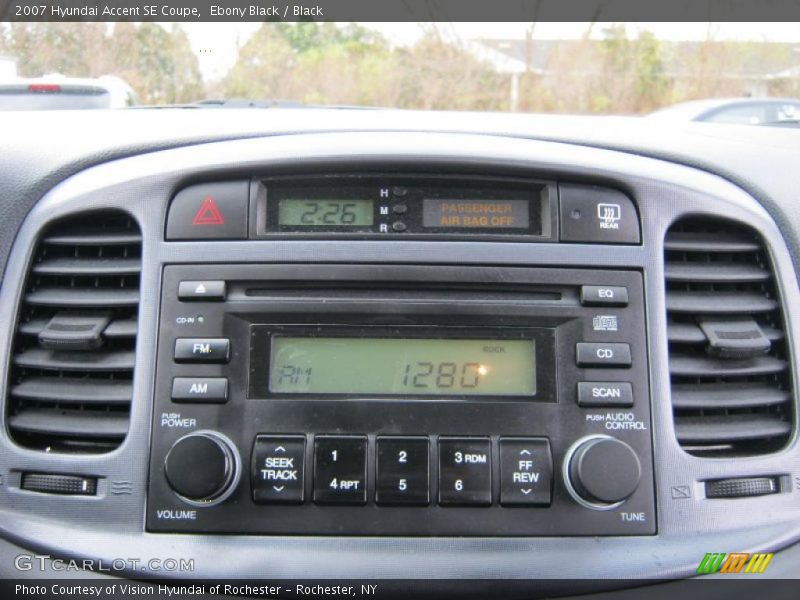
<point>202,468</point>
<point>601,472</point>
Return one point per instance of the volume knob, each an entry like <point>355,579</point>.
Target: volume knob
<point>202,468</point>
<point>601,472</point>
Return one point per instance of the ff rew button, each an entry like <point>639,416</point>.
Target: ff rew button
<point>597,215</point>
<point>278,469</point>
<point>202,350</point>
<point>526,472</point>
<point>340,469</point>
<point>603,355</point>
<point>614,394</point>
<point>200,389</point>
<point>210,211</point>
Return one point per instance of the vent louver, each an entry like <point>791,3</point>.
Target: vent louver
<point>729,370</point>
<point>71,375</point>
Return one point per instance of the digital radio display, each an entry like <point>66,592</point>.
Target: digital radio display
<point>325,212</point>
<point>444,213</point>
<point>402,366</point>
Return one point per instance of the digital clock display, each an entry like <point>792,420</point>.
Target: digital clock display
<point>403,366</point>
<point>324,212</point>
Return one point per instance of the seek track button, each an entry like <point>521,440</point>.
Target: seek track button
<point>277,469</point>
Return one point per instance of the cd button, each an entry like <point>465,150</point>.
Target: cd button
<point>465,471</point>
<point>526,472</point>
<point>278,469</point>
<point>403,472</point>
<point>340,470</point>
<point>603,355</point>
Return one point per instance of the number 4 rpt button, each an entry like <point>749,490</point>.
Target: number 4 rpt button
<point>340,469</point>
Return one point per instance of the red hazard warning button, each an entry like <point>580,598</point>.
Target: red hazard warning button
<point>210,211</point>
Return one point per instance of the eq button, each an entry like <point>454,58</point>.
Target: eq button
<point>465,471</point>
<point>340,469</point>
<point>604,295</point>
<point>603,355</point>
<point>403,472</point>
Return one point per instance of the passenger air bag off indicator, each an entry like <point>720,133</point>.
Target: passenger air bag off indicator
<point>210,211</point>
<point>475,214</point>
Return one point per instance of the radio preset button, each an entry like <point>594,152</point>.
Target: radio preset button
<point>465,471</point>
<point>612,394</point>
<point>604,295</point>
<point>202,350</point>
<point>592,354</point>
<point>402,471</point>
<point>200,389</point>
<point>277,469</point>
<point>201,291</point>
<point>340,469</point>
<point>526,472</point>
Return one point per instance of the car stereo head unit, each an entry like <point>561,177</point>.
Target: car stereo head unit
<point>401,400</point>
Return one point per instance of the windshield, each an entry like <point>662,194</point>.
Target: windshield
<point>568,68</point>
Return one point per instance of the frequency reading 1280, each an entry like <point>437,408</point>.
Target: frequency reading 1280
<point>402,366</point>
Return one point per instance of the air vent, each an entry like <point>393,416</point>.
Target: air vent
<point>71,376</point>
<point>730,375</point>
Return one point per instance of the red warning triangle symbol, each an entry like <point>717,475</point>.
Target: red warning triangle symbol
<point>208,213</point>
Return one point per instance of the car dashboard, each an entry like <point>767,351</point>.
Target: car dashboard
<point>368,344</point>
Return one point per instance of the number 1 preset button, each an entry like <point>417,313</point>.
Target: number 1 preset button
<point>403,472</point>
<point>340,469</point>
<point>465,471</point>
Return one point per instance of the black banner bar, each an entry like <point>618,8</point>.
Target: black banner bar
<point>401,10</point>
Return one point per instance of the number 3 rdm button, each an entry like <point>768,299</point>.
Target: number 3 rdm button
<point>340,469</point>
<point>465,471</point>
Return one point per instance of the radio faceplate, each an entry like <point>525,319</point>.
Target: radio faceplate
<point>229,455</point>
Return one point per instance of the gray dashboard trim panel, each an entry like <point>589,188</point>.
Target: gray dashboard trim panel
<point>103,526</point>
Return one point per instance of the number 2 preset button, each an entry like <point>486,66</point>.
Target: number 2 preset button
<point>403,473</point>
<point>340,469</point>
<point>465,471</point>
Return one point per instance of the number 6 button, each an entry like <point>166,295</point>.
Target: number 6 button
<point>403,472</point>
<point>465,471</point>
